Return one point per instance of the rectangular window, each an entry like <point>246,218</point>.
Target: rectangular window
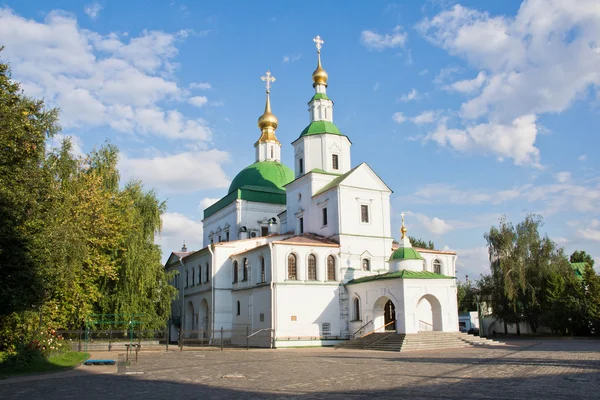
<point>207,273</point>
<point>219,239</point>
<point>301,225</point>
<point>325,216</point>
<point>364,213</point>
<point>262,317</point>
<point>227,236</point>
<point>301,166</point>
<point>326,329</point>
<point>335,161</point>
<point>264,230</point>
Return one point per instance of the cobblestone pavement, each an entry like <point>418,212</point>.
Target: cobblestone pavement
<point>548,369</point>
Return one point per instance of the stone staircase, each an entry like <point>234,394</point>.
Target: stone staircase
<point>391,341</point>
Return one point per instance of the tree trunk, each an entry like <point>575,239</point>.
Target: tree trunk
<point>505,327</point>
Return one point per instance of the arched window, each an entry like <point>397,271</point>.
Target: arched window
<point>239,308</point>
<point>437,266</point>
<point>235,272</point>
<point>193,276</point>
<point>187,278</point>
<point>245,270</point>
<point>263,272</point>
<point>330,268</point>
<point>312,267</point>
<point>366,264</point>
<point>356,309</point>
<point>207,273</point>
<point>292,271</point>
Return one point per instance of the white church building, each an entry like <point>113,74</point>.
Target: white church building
<point>308,253</point>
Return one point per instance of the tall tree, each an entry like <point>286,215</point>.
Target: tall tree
<point>581,256</point>
<point>420,243</point>
<point>25,124</point>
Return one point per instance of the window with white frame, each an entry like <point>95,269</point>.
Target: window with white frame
<point>356,309</point>
<point>330,268</point>
<point>245,270</point>
<point>235,272</point>
<point>292,267</point>
<point>312,267</point>
<point>263,272</point>
<point>335,161</point>
<point>437,266</point>
<point>366,264</point>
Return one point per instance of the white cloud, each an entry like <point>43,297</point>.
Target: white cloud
<point>198,101</point>
<point>398,117</point>
<point>518,61</point>
<point>93,10</point>
<point>467,85</point>
<point>450,194</point>
<point>200,85</point>
<point>515,140</point>
<point>590,232</point>
<point>76,144</point>
<point>375,41</point>
<point>177,229</point>
<point>426,117</point>
<point>292,58</point>
<point>562,177</point>
<point>207,202</point>
<point>423,72</point>
<point>412,95</point>
<point>178,173</point>
<point>434,225</point>
<point>472,262</point>
<point>376,86</point>
<point>582,157</point>
<point>100,80</point>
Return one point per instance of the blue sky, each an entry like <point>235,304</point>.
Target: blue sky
<point>466,112</point>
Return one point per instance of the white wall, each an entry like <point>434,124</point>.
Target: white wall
<point>316,152</point>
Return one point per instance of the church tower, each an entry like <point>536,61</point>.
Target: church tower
<point>268,147</point>
<point>321,145</point>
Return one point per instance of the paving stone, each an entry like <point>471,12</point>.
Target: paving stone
<point>524,369</point>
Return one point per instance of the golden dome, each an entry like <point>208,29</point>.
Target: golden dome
<point>320,75</point>
<point>268,119</point>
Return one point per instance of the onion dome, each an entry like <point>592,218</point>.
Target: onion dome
<point>269,175</point>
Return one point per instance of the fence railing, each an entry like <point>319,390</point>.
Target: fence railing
<point>425,326</point>
<point>119,340</point>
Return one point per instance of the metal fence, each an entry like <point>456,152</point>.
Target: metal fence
<point>121,340</point>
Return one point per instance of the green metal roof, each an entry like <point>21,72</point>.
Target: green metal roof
<point>405,253</point>
<point>320,127</point>
<point>320,171</point>
<point>320,96</point>
<point>265,174</point>
<point>579,269</point>
<point>403,274</point>
<point>257,194</point>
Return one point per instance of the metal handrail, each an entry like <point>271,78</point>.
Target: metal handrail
<point>258,331</point>
<point>375,330</point>
<point>426,323</point>
<point>379,340</point>
<point>361,328</point>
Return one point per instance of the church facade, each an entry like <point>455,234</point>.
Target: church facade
<point>308,253</point>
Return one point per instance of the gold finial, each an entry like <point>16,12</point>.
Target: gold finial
<point>320,75</point>
<point>268,121</point>
<point>403,229</point>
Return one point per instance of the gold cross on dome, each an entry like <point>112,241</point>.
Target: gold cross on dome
<point>318,41</point>
<point>402,215</point>
<point>269,79</point>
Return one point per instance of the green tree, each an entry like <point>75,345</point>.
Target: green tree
<point>581,256</point>
<point>466,296</point>
<point>25,124</point>
<point>420,243</point>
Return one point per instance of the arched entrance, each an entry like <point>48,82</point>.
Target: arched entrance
<point>203,317</point>
<point>384,315</point>
<point>189,317</point>
<point>429,313</point>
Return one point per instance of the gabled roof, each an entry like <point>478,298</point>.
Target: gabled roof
<point>176,256</point>
<point>337,181</point>
<point>309,239</point>
<point>403,274</point>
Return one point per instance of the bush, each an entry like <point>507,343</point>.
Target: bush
<point>28,352</point>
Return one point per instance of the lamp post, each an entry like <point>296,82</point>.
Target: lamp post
<point>477,298</point>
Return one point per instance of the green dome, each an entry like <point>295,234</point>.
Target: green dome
<point>405,253</point>
<point>266,174</point>
<point>318,127</point>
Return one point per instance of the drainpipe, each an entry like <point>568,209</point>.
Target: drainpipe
<point>182,327</point>
<point>273,300</point>
<point>212,287</point>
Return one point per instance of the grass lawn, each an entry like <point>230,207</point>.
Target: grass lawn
<point>54,363</point>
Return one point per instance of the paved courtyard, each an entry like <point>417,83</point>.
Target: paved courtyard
<point>549,369</point>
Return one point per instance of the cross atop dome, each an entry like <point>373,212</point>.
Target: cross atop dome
<point>268,78</point>
<point>319,76</point>
<point>318,41</point>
